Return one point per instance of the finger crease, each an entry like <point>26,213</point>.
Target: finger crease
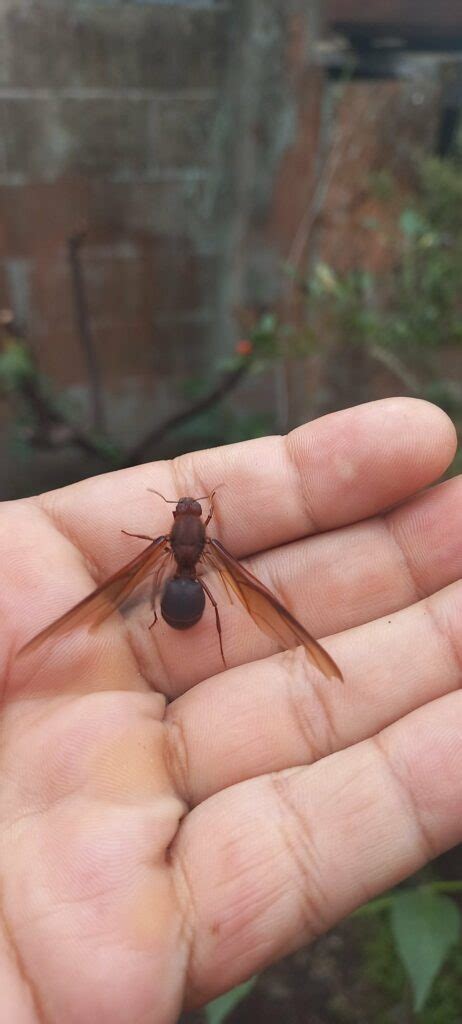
<point>93,567</point>
<point>328,740</point>
<point>144,658</point>
<point>418,589</point>
<point>182,488</point>
<point>188,911</point>
<point>313,525</point>
<point>428,847</point>
<point>36,1002</point>
<point>176,756</point>
<point>299,843</point>
<point>447,635</point>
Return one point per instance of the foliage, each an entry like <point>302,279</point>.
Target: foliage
<point>384,969</point>
<point>422,927</point>
<point>42,418</point>
<point>405,318</point>
<point>402,319</point>
<point>425,926</point>
<point>218,1011</point>
<point>405,315</point>
<point>441,192</point>
<point>16,365</point>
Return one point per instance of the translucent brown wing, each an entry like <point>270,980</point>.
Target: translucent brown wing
<point>268,613</point>
<point>103,601</point>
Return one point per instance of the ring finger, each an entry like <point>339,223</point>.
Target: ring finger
<point>278,713</point>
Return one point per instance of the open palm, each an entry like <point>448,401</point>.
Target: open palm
<point>169,828</point>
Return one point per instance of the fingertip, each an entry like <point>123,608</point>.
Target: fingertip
<point>368,458</point>
<point>441,434</point>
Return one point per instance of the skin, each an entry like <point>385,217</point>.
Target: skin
<point>170,828</point>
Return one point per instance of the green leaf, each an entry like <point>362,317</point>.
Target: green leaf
<point>217,1011</point>
<point>424,926</point>
<point>411,223</point>
<point>15,364</point>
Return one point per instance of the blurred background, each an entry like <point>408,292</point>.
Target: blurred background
<point>219,219</point>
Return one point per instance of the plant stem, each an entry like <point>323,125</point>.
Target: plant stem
<point>227,384</point>
<point>85,332</point>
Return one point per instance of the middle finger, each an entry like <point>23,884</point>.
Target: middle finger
<point>279,713</point>
<point>331,582</point>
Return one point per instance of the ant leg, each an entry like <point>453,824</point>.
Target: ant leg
<point>211,509</point>
<point>154,593</point>
<point>156,589</point>
<point>210,498</point>
<point>141,536</point>
<point>153,601</point>
<point>217,616</point>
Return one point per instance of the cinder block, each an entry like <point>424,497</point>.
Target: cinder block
<point>116,45</point>
<point>180,131</point>
<point>174,206</point>
<point>180,348</point>
<point>105,136</point>
<point>34,141</point>
<point>40,217</point>
<point>123,138</point>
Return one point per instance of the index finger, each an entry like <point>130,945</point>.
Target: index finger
<point>333,471</point>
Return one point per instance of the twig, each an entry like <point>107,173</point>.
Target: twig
<point>85,332</point>
<point>53,428</point>
<point>391,361</point>
<point>303,246</point>
<point>327,160</point>
<point>227,384</point>
<point>49,418</point>
<point>314,210</point>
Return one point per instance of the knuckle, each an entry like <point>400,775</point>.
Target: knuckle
<point>176,757</point>
<point>300,846</point>
<point>310,707</point>
<point>409,804</point>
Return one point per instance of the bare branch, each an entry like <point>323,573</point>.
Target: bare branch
<point>229,381</point>
<point>85,332</point>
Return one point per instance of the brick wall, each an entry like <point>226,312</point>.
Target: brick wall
<point>198,143</point>
<point>182,135</point>
<point>106,111</point>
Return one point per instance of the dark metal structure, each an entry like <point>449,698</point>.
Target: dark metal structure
<point>414,24</point>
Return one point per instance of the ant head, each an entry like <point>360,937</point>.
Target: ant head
<point>186,505</point>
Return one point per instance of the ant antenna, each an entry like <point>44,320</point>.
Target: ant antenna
<point>170,501</point>
<point>174,501</point>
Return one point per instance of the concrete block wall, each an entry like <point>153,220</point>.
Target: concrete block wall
<point>182,134</point>
<point>106,111</point>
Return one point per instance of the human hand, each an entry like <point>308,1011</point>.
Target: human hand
<point>155,854</point>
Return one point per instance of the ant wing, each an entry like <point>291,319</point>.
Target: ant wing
<point>105,600</point>
<point>267,612</point>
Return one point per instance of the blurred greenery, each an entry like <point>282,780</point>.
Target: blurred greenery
<point>217,1011</point>
<point>403,320</point>
<point>384,969</point>
<point>16,365</point>
<point>406,318</point>
<point>408,315</point>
